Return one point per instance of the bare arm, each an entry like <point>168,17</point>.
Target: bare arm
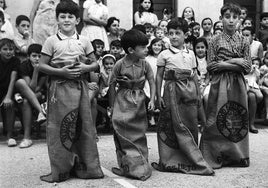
<point>35,6</point>
<point>137,18</point>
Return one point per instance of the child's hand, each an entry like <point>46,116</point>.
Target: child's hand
<point>151,105</point>
<point>82,67</point>
<point>71,72</point>
<point>161,104</point>
<point>7,102</point>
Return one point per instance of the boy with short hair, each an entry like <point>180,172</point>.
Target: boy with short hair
<point>177,132</point>
<point>71,134</point>
<point>129,117</point>
<point>22,38</point>
<point>31,86</point>
<point>225,140</point>
<point>8,75</point>
<point>116,49</point>
<point>263,32</point>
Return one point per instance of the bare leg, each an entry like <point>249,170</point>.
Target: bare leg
<point>26,110</point>
<point>252,107</point>
<point>27,93</point>
<point>8,115</point>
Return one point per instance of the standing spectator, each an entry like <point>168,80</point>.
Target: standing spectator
<point>43,20</point>
<point>263,32</point>
<point>7,27</point>
<point>256,48</point>
<point>8,75</point>
<point>112,28</point>
<point>145,14</point>
<point>188,14</point>
<point>247,22</point>
<point>207,25</point>
<point>177,126</point>
<point>225,141</point>
<point>95,19</point>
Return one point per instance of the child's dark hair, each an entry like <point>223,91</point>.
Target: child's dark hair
<point>5,41</point>
<point>207,19</point>
<point>199,40</point>
<point>2,16</point>
<point>148,26</point>
<point>248,18</point>
<point>34,48</point>
<point>232,7</point>
<point>263,15</point>
<point>251,29</point>
<point>110,21</point>
<point>116,43</point>
<point>217,29</point>
<point>141,9</point>
<point>192,25</point>
<point>21,18</point>
<point>214,25</point>
<point>150,49</point>
<point>67,6</point>
<point>133,38</point>
<point>140,28</point>
<point>96,42</point>
<point>256,59</point>
<point>108,56</point>
<point>167,10</point>
<point>178,23</point>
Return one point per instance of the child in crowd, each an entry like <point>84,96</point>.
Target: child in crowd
<point>167,13</point>
<point>264,82</point>
<point>31,86</point>
<point>71,134</point>
<point>150,30</point>
<point>188,14</point>
<point>207,25</point>
<point>163,24</point>
<point>242,17</point>
<point>22,38</point>
<point>112,28</point>
<point>195,29</point>
<point>247,22</point>
<point>7,26</point>
<point>254,93</point>
<point>217,31</point>
<point>224,141</point>
<point>9,69</point>
<point>3,34</point>
<point>256,48</point>
<point>177,126</point>
<point>159,33</point>
<point>154,49</point>
<point>146,14</point>
<point>129,117</point>
<point>264,67</point>
<point>218,24</point>
<point>98,46</point>
<point>95,19</point>
<point>116,49</point>
<point>263,32</point>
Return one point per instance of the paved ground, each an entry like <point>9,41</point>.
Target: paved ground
<point>22,167</point>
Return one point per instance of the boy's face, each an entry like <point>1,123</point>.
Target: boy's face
<point>255,64</point>
<point>264,21</point>
<point>108,64</point>
<point>115,50</point>
<point>149,32</point>
<point>230,21</point>
<point>23,27</point>
<point>247,34</point>
<point>67,23</point>
<point>243,14</point>
<point>159,34</point>
<point>176,37</point>
<point>247,23</point>
<point>196,31</point>
<point>200,50</point>
<point>7,52</point>
<point>140,51</point>
<point>99,49</point>
<point>34,58</point>
<point>207,25</point>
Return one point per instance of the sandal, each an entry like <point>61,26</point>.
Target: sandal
<point>25,143</point>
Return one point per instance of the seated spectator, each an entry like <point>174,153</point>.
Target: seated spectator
<point>256,48</point>
<point>31,86</point>
<point>112,29</point>
<point>23,38</point>
<point>254,92</point>
<point>116,49</point>
<point>8,75</point>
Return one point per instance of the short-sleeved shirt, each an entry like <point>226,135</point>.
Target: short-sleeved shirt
<point>6,69</point>
<point>26,69</point>
<point>132,70</point>
<point>225,47</point>
<point>173,58</point>
<point>254,48</point>
<point>65,50</point>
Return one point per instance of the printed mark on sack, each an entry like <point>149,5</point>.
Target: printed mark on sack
<point>70,129</point>
<point>232,121</point>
